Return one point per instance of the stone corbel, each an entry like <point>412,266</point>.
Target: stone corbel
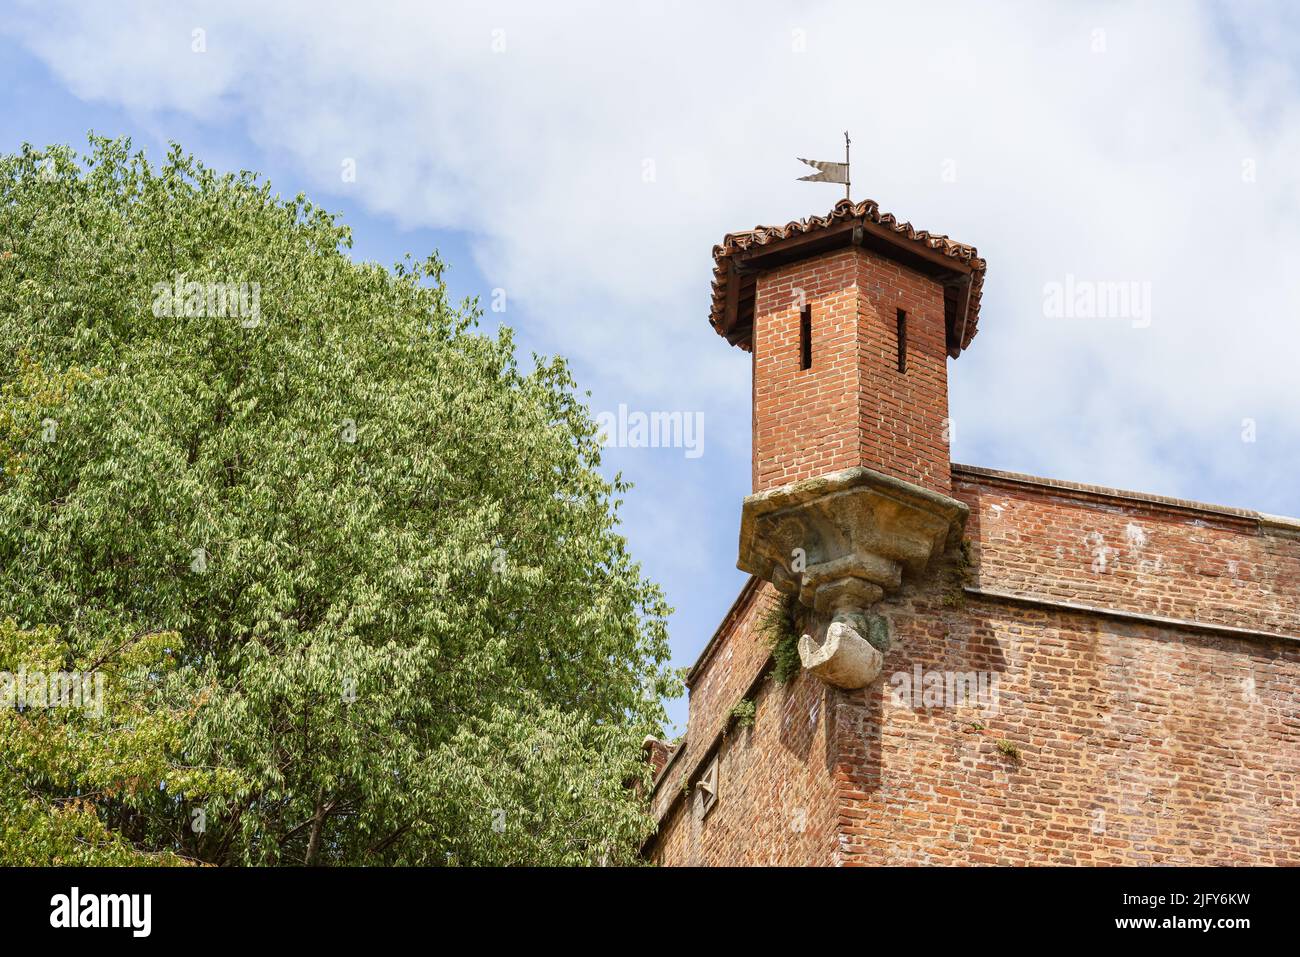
<point>841,542</point>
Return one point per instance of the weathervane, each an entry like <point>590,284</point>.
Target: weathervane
<point>830,172</point>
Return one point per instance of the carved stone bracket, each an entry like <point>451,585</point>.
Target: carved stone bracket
<point>841,542</point>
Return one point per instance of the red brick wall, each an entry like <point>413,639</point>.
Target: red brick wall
<point>1137,745</point>
<point>902,416</point>
<point>1139,742</point>
<point>776,804</point>
<point>805,419</point>
<point>1147,557</point>
<point>740,654</point>
<point>853,406</point>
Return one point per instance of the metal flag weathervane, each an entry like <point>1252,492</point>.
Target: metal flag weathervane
<point>830,172</point>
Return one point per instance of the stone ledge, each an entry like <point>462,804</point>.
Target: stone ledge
<point>855,525</point>
<point>841,542</point>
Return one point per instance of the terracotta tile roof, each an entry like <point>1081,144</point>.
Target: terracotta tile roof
<point>956,264</point>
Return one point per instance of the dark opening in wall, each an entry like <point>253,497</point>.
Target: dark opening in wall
<point>902,341</point>
<point>805,337</point>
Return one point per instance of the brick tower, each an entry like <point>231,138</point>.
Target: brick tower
<point>991,668</point>
<point>850,320</point>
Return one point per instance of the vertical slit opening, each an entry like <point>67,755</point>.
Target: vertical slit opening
<point>805,337</point>
<point>902,341</point>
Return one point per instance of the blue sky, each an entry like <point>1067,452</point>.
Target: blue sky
<point>585,160</point>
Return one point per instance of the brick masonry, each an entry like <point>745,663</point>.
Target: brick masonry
<point>853,407</point>
<point>1144,653</point>
<point>1139,743</point>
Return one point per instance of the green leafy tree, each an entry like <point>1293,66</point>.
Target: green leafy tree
<point>89,773</point>
<point>405,630</point>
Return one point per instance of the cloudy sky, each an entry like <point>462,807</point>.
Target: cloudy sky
<point>585,160</point>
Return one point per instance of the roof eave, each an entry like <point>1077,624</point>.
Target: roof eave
<point>954,265</point>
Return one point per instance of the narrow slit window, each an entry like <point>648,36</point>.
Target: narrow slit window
<point>805,337</point>
<point>902,341</point>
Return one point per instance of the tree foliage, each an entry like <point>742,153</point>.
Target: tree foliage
<point>400,624</point>
<point>98,783</point>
